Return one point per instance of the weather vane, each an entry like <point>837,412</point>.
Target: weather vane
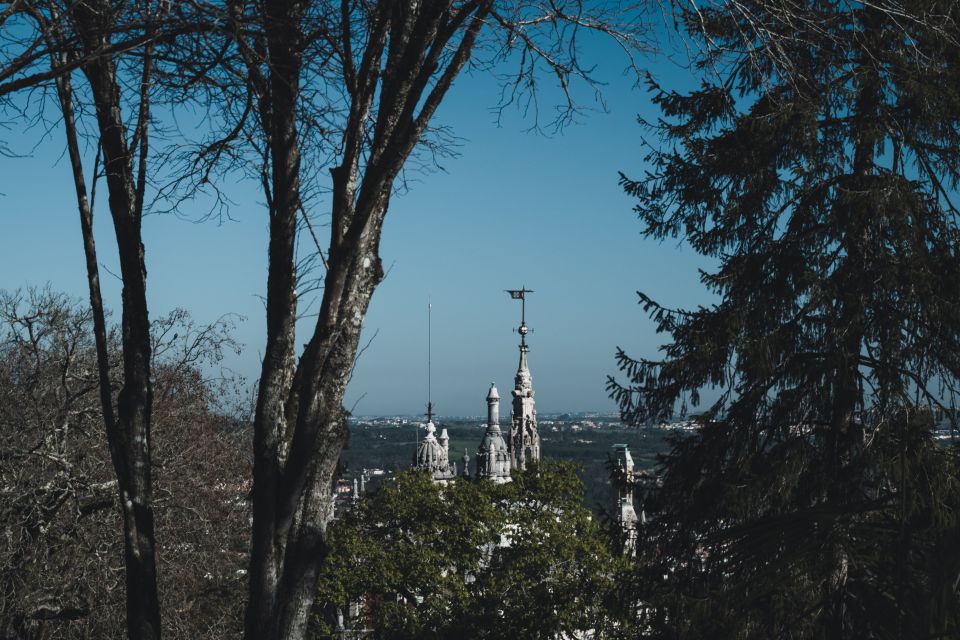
<point>521,295</point>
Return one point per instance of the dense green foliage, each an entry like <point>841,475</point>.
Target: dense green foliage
<point>815,165</point>
<point>472,560</point>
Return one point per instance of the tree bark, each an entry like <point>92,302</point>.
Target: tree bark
<point>281,21</point>
<point>299,425</point>
<point>129,436</point>
<point>85,207</point>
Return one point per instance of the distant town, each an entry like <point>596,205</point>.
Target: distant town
<point>380,446</point>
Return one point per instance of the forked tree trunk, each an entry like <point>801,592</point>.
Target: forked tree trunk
<point>129,434</point>
<point>131,451</point>
<point>324,378</point>
<point>299,427</point>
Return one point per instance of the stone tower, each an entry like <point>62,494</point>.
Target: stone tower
<point>493,459</point>
<point>524,442</point>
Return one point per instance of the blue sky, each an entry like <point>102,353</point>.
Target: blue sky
<point>514,208</point>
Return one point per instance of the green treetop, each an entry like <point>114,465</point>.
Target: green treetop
<point>472,560</point>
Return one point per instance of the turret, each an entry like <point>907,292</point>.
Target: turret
<point>493,406</point>
<point>493,459</point>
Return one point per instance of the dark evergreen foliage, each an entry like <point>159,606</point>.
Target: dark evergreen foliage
<point>816,164</point>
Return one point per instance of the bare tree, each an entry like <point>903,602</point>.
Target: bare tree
<point>353,87</point>
<point>49,497</point>
<point>61,562</point>
<point>128,430</point>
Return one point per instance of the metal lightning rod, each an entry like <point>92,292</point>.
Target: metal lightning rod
<point>429,360</point>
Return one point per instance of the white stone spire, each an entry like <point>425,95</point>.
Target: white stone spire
<point>524,443</point>
<point>493,459</point>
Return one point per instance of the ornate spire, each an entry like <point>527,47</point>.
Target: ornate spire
<point>523,379</point>
<point>524,443</point>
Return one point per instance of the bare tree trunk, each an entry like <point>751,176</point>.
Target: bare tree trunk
<point>132,433</point>
<point>324,381</point>
<point>280,123</point>
<point>129,435</point>
<point>85,206</point>
<point>299,424</point>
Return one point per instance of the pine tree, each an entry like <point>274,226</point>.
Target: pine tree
<point>816,165</point>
